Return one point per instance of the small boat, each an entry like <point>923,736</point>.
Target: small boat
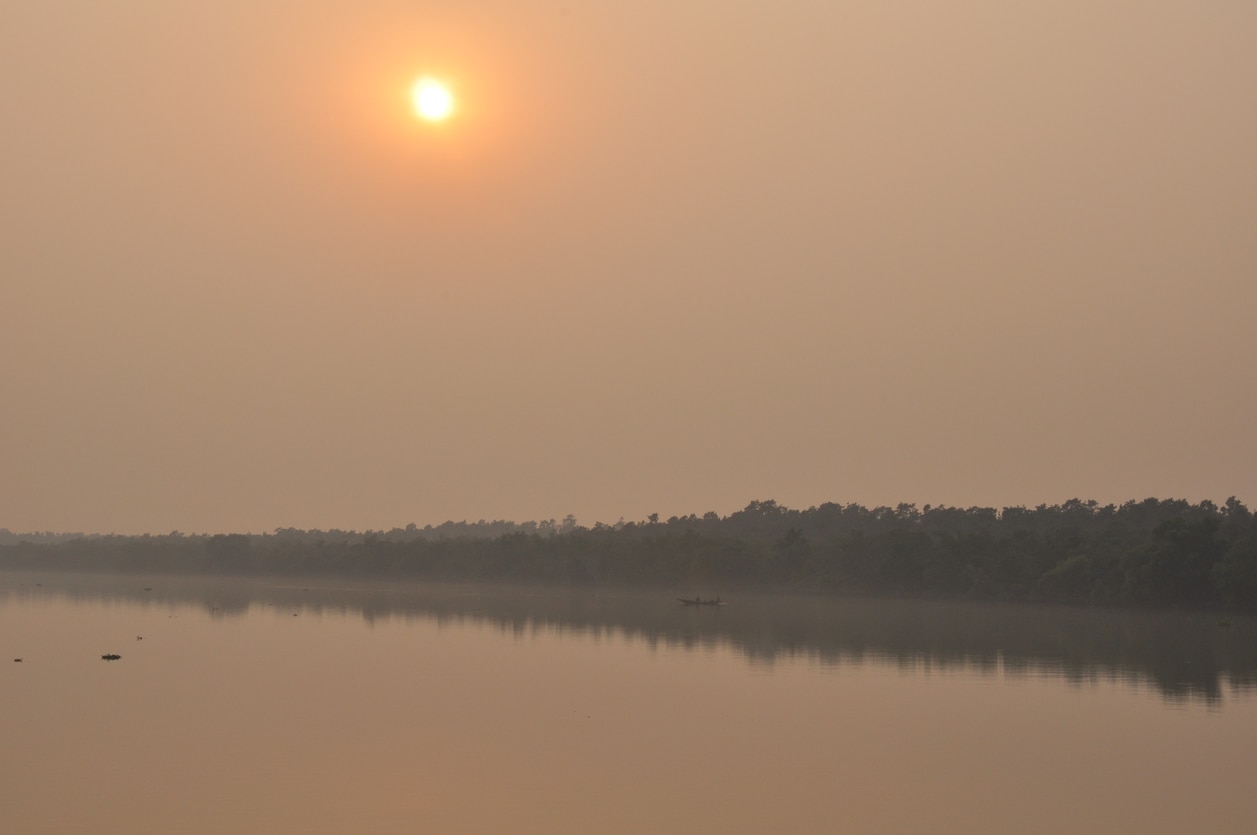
<point>698,601</point>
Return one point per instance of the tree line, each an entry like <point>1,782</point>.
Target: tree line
<point>1160,552</point>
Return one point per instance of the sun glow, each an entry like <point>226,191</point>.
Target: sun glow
<point>433,100</point>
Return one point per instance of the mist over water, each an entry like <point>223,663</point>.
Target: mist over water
<point>1184,656</point>
<point>251,707</point>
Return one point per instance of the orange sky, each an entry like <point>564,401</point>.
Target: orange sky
<point>667,258</point>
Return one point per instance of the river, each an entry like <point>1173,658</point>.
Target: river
<point>316,707</point>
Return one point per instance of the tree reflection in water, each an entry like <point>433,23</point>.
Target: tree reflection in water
<point>1185,656</point>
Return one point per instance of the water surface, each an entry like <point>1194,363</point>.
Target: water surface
<point>288,707</point>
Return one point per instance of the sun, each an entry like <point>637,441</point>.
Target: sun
<point>433,100</point>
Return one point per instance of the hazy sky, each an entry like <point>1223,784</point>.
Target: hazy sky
<point>667,257</point>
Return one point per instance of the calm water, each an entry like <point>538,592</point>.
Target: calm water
<point>255,707</point>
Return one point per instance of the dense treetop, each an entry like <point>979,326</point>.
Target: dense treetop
<point>1150,552</point>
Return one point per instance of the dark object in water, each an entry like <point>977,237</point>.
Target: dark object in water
<point>698,601</point>
<point>148,588</point>
<point>110,657</point>
<point>17,660</point>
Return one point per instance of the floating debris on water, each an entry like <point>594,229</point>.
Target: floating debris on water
<point>17,660</point>
<point>110,657</point>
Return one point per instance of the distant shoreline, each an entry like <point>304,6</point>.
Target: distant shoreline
<point>1161,553</point>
